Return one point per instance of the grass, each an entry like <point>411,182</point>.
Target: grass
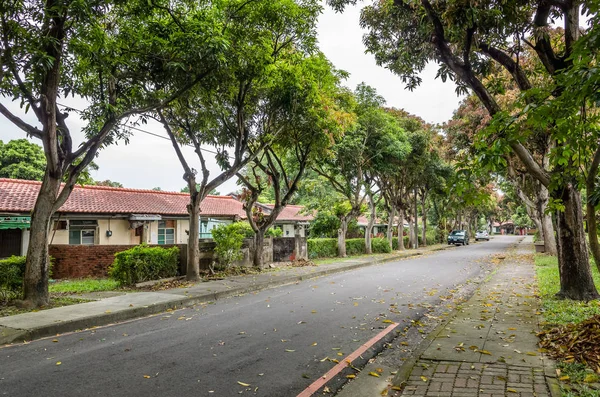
<point>557,311</point>
<point>78,286</point>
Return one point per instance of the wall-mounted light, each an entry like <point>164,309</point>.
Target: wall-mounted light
<point>108,233</point>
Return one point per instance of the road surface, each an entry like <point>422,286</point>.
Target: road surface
<point>276,341</point>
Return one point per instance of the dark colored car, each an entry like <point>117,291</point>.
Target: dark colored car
<point>458,237</point>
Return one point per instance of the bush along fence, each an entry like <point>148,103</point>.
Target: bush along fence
<point>11,277</point>
<point>144,263</point>
<point>327,247</point>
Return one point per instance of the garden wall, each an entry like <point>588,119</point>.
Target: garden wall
<point>76,261</point>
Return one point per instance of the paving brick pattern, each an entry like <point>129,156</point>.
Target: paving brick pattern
<point>453,379</point>
<point>489,349</point>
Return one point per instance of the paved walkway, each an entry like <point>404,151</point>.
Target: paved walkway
<point>110,309</point>
<point>490,348</point>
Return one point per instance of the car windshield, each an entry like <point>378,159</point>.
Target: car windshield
<point>481,231</point>
<point>457,233</point>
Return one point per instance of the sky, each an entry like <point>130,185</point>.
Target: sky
<point>149,161</point>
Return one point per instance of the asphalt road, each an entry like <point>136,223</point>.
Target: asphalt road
<point>274,340</point>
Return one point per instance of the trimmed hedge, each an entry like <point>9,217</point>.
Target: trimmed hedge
<point>322,247</point>
<point>12,271</point>
<point>327,247</point>
<point>143,263</point>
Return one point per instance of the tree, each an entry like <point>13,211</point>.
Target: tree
<point>108,182</point>
<point>305,103</point>
<point>464,134</point>
<point>123,58</point>
<point>386,145</point>
<point>21,159</point>
<point>230,113</point>
<point>468,40</point>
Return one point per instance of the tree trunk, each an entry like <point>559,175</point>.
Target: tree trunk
<point>410,231</point>
<point>35,283</point>
<point>259,240</point>
<point>424,232</point>
<point>546,221</point>
<point>193,259</point>
<point>575,276</point>
<point>368,247</point>
<point>390,228</point>
<point>416,240</point>
<point>401,246</point>
<point>342,237</point>
<point>593,231</point>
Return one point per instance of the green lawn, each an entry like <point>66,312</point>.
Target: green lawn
<point>83,285</point>
<point>557,312</point>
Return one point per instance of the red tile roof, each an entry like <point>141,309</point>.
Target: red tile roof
<point>19,196</point>
<point>293,213</point>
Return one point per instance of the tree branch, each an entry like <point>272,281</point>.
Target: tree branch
<point>29,129</point>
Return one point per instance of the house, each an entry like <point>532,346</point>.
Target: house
<point>292,217</point>
<point>507,227</point>
<point>102,215</point>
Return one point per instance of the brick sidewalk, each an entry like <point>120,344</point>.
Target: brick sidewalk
<point>490,348</point>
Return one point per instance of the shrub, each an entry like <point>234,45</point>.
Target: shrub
<point>322,248</point>
<point>143,263</point>
<point>12,271</point>
<point>380,245</point>
<point>355,246</point>
<point>274,232</point>
<point>242,228</point>
<point>229,240</point>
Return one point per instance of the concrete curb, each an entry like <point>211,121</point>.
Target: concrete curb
<point>12,335</point>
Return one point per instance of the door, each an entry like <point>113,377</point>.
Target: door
<point>10,242</point>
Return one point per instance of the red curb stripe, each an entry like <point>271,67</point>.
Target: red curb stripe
<point>316,385</point>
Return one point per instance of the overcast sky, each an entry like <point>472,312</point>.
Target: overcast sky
<point>148,161</point>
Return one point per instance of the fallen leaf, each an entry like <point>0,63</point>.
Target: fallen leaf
<point>564,378</point>
<point>58,363</point>
<point>375,374</point>
<point>243,384</point>
<point>350,376</point>
<point>147,376</point>
<point>388,321</point>
<point>511,390</point>
<point>485,352</point>
<point>290,350</point>
<point>396,388</point>
<point>424,378</point>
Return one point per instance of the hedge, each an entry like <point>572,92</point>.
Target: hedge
<point>143,263</point>
<point>322,247</point>
<point>12,271</point>
<point>327,247</point>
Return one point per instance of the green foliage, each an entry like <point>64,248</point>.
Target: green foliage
<point>274,232</point>
<point>144,263</point>
<point>242,228</point>
<point>229,240</point>
<point>561,311</point>
<point>11,277</point>
<point>355,246</point>
<point>83,285</point>
<point>380,245</point>
<point>327,247</point>
<point>322,248</point>
<point>21,159</point>
<point>324,225</point>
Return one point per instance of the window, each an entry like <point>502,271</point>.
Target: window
<point>82,237</point>
<point>166,232</point>
<point>82,232</point>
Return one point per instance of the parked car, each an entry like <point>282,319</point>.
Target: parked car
<point>458,237</point>
<point>482,235</point>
